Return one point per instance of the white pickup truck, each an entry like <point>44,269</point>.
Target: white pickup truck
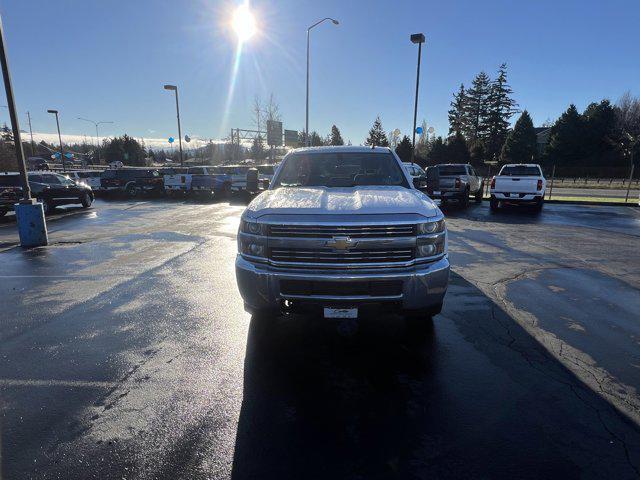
<point>342,229</point>
<point>521,183</point>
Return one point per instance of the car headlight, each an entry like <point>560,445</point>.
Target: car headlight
<point>253,228</point>
<point>428,228</point>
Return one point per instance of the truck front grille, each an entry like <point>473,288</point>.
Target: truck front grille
<point>353,231</point>
<point>328,255</point>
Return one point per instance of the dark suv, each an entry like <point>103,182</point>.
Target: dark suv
<point>50,188</point>
<point>131,181</point>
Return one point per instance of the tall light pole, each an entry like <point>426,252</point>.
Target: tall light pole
<point>175,89</point>
<point>55,112</point>
<point>32,227</point>
<point>419,39</point>
<point>97,136</point>
<point>306,123</point>
<point>33,145</point>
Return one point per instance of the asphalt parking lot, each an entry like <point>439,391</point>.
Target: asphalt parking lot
<point>126,353</point>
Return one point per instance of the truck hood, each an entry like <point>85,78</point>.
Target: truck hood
<point>341,201</point>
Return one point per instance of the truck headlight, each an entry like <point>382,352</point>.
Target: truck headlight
<point>253,228</point>
<point>427,228</point>
<point>249,247</point>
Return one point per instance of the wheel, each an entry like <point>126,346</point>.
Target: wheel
<point>464,200</point>
<point>494,204</point>
<point>478,195</point>
<point>3,213</point>
<point>86,200</point>
<point>539,204</point>
<point>226,190</point>
<point>47,206</point>
<point>131,191</point>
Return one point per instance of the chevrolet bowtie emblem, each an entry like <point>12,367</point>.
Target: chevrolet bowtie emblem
<point>341,243</point>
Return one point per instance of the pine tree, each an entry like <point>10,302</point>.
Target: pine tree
<point>334,137</point>
<point>501,107</point>
<point>403,150</point>
<point>520,145</point>
<point>477,108</point>
<point>437,152</point>
<point>377,136</point>
<point>565,145</point>
<point>457,113</point>
<point>457,149</point>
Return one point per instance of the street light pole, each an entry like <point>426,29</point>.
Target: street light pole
<point>32,227</point>
<point>419,39</point>
<point>55,112</point>
<point>175,89</point>
<point>306,123</point>
<point>97,135</point>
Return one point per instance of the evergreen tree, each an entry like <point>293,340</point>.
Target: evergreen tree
<point>566,138</point>
<point>257,147</point>
<point>437,152</point>
<point>457,116</point>
<point>520,145</point>
<point>125,149</point>
<point>478,155</point>
<point>600,133</point>
<point>501,107</point>
<point>334,137</point>
<point>457,149</point>
<point>377,136</point>
<point>403,150</point>
<point>477,108</point>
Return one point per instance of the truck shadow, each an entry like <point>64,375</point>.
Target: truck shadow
<point>474,397</point>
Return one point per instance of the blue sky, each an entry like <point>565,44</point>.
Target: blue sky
<point>108,60</point>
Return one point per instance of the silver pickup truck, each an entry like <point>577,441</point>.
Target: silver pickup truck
<point>458,181</point>
<point>338,230</point>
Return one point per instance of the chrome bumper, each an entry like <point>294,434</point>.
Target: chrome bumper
<point>423,285</point>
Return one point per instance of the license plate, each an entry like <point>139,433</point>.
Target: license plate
<point>340,313</point>
<point>436,193</point>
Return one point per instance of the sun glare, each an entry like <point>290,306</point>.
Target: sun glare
<point>243,23</point>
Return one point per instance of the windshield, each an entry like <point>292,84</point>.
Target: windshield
<point>446,170</point>
<point>520,171</point>
<point>334,169</point>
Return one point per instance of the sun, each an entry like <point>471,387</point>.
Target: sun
<point>244,23</point>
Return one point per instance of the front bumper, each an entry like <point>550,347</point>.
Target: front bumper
<point>422,286</point>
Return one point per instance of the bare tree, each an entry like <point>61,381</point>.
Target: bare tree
<point>628,119</point>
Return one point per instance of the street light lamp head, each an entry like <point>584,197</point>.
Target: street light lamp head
<point>52,111</point>
<point>170,87</point>
<point>335,22</point>
<point>417,38</point>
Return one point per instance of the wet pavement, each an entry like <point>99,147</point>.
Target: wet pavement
<point>125,353</point>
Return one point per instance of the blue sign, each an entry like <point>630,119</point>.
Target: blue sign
<point>69,155</point>
<point>419,130</point>
<point>171,140</point>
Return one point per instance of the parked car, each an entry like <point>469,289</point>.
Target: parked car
<point>416,172</point>
<point>518,184</point>
<point>238,175</point>
<point>131,181</point>
<point>51,189</point>
<point>211,184</point>
<point>88,177</point>
<point>175,179</point>
<point>340,229</point>
<point>458,181</point>
<point>265,174</point>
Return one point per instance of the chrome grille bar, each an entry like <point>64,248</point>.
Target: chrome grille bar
<point>353,231</point>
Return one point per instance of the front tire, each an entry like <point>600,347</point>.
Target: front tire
<point>478,196</point>
<point>3,213</point>
<point>47,206</point>
<point>86,200</point>
<point>131,191</point>
<point>494,204</point>
<point>464,200</point>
